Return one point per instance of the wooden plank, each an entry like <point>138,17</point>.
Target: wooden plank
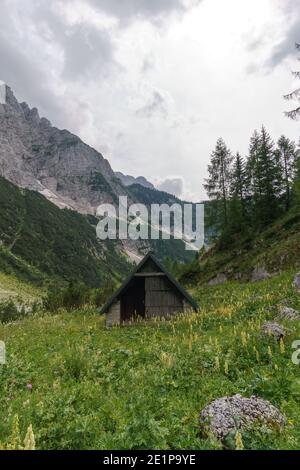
<point>149,275</point>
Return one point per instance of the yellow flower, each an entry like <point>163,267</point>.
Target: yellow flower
<point>29,441</point>
<point>239,441</point>
<point>256,354</point>
<point>281,346</point>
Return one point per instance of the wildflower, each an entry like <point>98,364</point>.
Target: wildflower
<point>217,363</point>
<point>29,441</point>
<point>29,387</point>
<point>239,441</point>
<point>15,440</point>
<point>226,367</point>
<point>244,338</point>
<point>270,351</point>
<point>256,354</point>
<point>281,346</point>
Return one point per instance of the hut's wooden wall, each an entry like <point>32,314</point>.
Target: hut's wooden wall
<point>161,299</point>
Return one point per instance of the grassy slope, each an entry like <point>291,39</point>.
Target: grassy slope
<point>39,242</point>
<point>12,288</point>
<point>276,249</point>
<point>143,386</point>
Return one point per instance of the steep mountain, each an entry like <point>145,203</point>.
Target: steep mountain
<point>128,180</point>
<point>35,155</point>
<point>40,242</point>
<point>60,166</point>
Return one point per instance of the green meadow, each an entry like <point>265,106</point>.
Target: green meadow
<point>142,386</point>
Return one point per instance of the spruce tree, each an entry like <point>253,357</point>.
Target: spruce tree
<point>238,193</point>
<point>296,182</point>
<point>219,179</point>
<point>295,95</point>
<point>265,178</point>
<point>287,154</point>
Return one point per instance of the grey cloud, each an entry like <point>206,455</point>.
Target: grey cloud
<point>157,105</point>
<point>172,185</point>
<point>128,9</point>
<point>27,80</point>
<point>286,47</point>
<point>281,51</point>
<point>87,50</point>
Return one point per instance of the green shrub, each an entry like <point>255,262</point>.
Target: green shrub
<point>101,295</point>
<point>10,312</point>
<point>76,295</point>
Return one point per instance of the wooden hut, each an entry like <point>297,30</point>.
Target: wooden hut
<point>148,292</point>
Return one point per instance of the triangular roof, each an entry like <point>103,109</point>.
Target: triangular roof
<point>169,276</point>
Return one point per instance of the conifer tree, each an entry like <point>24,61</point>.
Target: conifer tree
<point>287,154</point>
<point>296,182</point>
<point>295,95</point>
<point>265,178</point>
<point>238,193</point>
<point>219,178</point>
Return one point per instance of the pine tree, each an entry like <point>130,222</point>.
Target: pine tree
<point>287,154</point>
<point>218,183</point>
<point>265,178</point>
<point>295,95</point>
<point>238,193</point>
<point>253,181</point>
<point>296,182</point>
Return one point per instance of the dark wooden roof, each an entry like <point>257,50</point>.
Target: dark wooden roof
<point>162,269</point>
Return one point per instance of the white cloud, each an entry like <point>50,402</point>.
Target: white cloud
<point>154,84</point>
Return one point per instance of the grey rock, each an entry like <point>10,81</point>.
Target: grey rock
<point>287,313</point>
<point>228,414</point>
<point>274,329</point>
<point>38,156</point>
<point>219,279</point>
<point>260,274</point>
<point>297,283</point>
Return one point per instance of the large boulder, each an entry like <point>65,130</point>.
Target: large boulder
<point>274,329</point>
<point>287,313</point>
<point>297,283</point>
<point>228,414</point>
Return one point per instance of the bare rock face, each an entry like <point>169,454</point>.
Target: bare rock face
<point>228,414</point>
<point>287,313</point>
<point>274,329</point>
<point>219,279</point>
<point>297,283</point>
<point>38,156</point>
<point>260,274</point>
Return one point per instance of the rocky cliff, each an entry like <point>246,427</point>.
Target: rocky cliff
<point>38,156</point>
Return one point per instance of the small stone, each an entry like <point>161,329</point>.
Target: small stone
<point>235,413</point>
<point>297,283</point>
<point>287,313</point>
<point>219,279</point>
<point>274,329</point>
<point>260,274</point>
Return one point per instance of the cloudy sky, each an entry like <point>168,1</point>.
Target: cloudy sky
<point>152,84</point>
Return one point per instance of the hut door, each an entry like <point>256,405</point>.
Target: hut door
<point>133,301</point>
